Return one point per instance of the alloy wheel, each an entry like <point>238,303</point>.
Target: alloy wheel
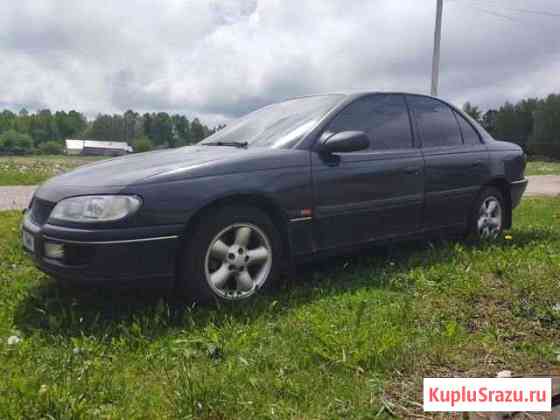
<point>238,261</point>
<point>490,218</point>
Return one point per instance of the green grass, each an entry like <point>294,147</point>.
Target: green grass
<point>351,337</point>
<point>32,170</point>
<point>543,168</point>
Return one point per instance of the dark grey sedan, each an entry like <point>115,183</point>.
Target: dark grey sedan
<point>299,178</point>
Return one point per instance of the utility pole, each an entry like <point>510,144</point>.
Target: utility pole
<point>437,43</point>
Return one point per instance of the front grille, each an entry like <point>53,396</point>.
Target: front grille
<point>41,210</point>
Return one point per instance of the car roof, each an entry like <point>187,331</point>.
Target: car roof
<point>360,92</point>
<point>352,94</point>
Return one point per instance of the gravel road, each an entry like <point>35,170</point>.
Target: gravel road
<point>544,185</point>
<point>17,198</point>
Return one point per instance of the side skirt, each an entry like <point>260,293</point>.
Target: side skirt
<point>451,232</point>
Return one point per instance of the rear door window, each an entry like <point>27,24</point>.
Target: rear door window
<point>470,136</point>
<point>436,122</point>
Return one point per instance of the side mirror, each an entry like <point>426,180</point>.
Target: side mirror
<point>346,142</point>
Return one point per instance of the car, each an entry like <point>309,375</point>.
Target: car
<point>305,177</point>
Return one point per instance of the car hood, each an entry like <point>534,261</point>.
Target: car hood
<point>125,170</point>
<point>115,175</point>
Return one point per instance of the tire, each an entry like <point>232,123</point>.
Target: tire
<point>486,221</point>
<point>225,259</point>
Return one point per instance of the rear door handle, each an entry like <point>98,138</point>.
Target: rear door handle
<point>412,170</point>
<point>477,163</point>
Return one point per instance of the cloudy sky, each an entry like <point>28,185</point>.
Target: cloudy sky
<point>217,59</point>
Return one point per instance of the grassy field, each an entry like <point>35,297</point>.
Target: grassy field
<point>348,338</point>
<point>543,168</point>
<point>32,170</point>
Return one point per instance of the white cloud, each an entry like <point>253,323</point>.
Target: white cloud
<point>221,58</point>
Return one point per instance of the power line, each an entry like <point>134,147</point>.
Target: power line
<point>510,19</point>
<point>493,12</point>
<point>437,37</point>
<point>519,10</point>
<point>490,12</point>
<point>535,12</point>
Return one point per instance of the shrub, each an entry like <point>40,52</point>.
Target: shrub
<point>51,148</point>
<point>14,143</point>
<point>549,150</point>
<point>142,144</point>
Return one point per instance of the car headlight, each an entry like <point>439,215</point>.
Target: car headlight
<point>96,208</point>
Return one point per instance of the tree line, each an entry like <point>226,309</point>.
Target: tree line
<point>534,124</point>
<point>45,131</point>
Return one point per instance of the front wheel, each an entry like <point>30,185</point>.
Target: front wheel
<point>234,253</point>
<point>487,219</point>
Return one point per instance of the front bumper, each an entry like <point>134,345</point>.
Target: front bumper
<point>517,188</point>
<point>106,255</point>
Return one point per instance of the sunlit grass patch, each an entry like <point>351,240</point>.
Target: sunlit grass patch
<point>32,170</point>
<point>543,168</point>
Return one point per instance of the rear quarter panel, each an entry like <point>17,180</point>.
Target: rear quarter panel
<point>507,160</point>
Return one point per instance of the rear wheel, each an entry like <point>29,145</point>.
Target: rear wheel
<point>233,255</point>
<point>488,215</point>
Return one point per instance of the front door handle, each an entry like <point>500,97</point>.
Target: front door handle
<point>477,163</point>
<point>413,170</point>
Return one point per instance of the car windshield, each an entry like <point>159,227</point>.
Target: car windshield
<point>279,125</point>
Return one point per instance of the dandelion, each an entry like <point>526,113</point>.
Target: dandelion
<point>77,350</point>
<point>508,237</point>
<point>43,389</point>
<point>13,340</point>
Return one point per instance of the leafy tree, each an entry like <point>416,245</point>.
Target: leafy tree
<point>51,148</point>
<point>106,127</point>
<point>525,110</point>
<point>142,144</point>
<point>147,123</point>
<point>505,123</point>
<point>69,125</point>
<point>22,123</point>
<point>198,133</point>
<point>181,130</point>
<point>7,120</point>
<point>12,142</point>
<point>547,121</point>
<point>217,128</point>
<point>161,132</point>
<point>489,121</point>
<point>132,125</point>
<point>43,127</point>
<point>160,128</point>
<point>473,111</point>
<point>77,122</point>
<point>515,122</point>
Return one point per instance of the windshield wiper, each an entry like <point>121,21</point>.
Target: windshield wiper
<point>240,144</point>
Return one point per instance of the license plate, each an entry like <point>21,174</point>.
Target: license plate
<point>28,241</point>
